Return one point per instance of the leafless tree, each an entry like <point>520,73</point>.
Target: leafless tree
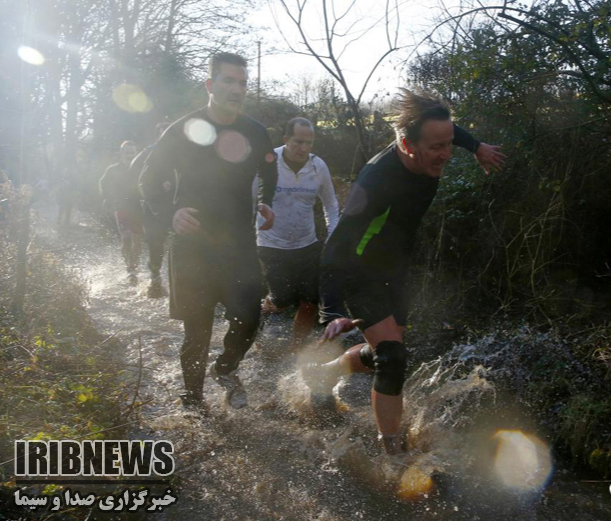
<point>88,46</point>
<point>328,42</point>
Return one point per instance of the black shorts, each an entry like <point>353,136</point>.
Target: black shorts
<point>202,276</point>
<point>291,275</point>
<point>375,298</point>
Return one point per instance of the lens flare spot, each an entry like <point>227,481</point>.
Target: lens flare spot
<point>200,131</point>
<point>233,146</point>
<point>131,98</point>
<point>522,461</point>
<point>30,55</point>
<point>140,102</point>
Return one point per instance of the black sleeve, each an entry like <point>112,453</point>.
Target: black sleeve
<point>267,170</point>
<point>463,139</point>
<point>159,167</point>
<point>332,284</point>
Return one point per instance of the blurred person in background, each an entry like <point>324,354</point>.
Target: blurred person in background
<point>119,191</point>
<point>155,229</point>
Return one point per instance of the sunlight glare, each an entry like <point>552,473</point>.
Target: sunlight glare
<point>522,461</point>
<point>30,55</point>
<point>200,132</point>
<point>131,98</point>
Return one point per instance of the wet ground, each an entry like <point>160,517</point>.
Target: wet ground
<point>280,458</point>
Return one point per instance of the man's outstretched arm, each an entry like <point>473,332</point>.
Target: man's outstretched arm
<point>268,177</point>
<point>488,156</point>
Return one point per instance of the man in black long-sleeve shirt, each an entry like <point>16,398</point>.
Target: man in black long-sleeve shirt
<point>214,155</point>
<point>155,230</point>
<point>364,265</point>
<point>119,191</point>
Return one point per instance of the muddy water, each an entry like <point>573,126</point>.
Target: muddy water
<point>282,458</point>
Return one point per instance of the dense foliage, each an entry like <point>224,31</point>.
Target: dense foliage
<point>532,237</point>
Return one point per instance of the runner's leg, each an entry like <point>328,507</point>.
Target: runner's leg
<point>243,326</point>
<point>126,239</point>
<point>194,352</point>
<point>156,251</point>
<point>242,293</point>
<point>387,409</point>
<point>136,249</point>
<point>304,269</point>
<point>304,320</point>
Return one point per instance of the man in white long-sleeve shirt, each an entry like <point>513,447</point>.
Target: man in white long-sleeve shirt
<point>290,251</point>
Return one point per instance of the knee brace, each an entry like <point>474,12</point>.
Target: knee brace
<point>390,361</point>
<point>366,356</point>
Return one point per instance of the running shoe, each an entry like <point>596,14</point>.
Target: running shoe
<point>235,394</point>
<point>393,445</point>
<point>194,403</point>
<point>155,290</point>
<point>132,279</point>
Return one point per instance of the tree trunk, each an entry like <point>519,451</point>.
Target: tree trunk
<point>21,271</point>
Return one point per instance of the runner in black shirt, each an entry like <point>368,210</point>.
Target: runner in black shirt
<point>155,230</point>
<point>364,264</point>
<point>119,191</point>
<point>214,154</point>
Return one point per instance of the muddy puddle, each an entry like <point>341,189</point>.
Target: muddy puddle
<point>285,458</point>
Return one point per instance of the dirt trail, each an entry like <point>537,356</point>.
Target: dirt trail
<point>262,462</point>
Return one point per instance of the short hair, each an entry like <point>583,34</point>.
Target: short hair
<point>289,130</point>
<point>126,144</point>
<point>214,66</point>
<point>414,110</point>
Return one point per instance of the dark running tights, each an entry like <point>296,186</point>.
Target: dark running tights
<point>194,352</point>
<point>156,251</point>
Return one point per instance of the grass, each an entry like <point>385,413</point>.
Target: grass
<point>59,378</point>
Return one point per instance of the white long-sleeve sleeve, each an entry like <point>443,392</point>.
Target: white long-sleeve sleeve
<point>327,196</point>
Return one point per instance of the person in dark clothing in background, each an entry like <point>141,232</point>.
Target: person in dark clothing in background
<point>119,191</point>
<point>364,266</point>
<point>155,230</point>
<point>215,154</point>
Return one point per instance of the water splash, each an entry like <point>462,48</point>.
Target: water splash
<point>272,462</point>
